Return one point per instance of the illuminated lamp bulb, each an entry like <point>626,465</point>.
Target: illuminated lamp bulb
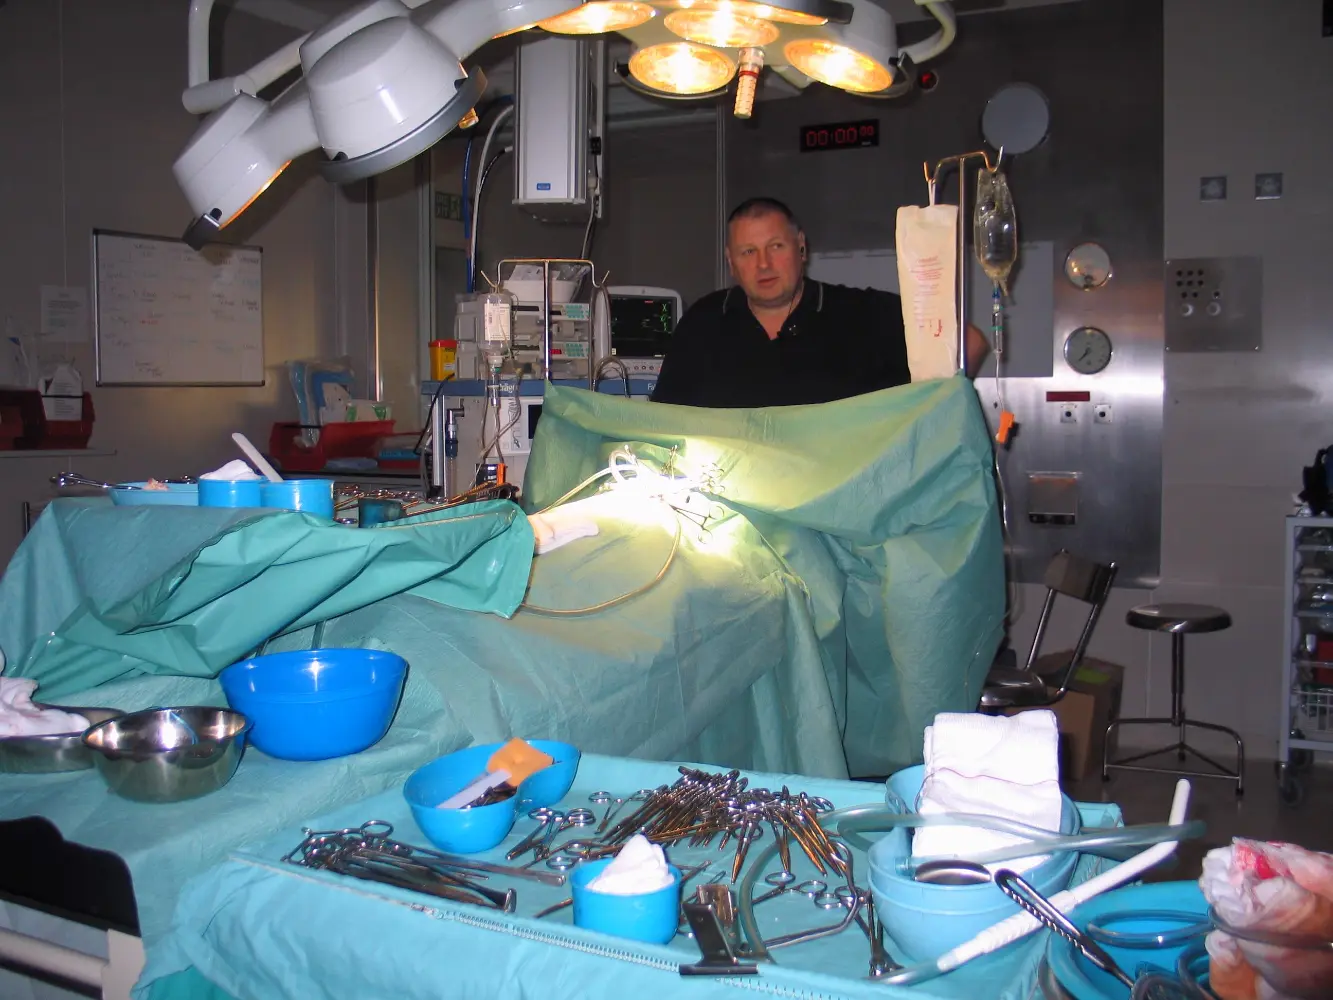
<point>599,17</point>
<point>838,65</point>
<point>681,68</point>
<point>752,61</point>
<point>722,27</point>
<point>771,13</point>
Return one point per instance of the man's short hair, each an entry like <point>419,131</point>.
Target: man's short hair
<point>751,208</point>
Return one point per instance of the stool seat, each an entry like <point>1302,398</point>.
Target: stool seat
<point>1178,618</point>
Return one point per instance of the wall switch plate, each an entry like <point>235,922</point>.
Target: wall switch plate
<point>1102,413</point>
<point>1267,186</point>
<point>1068,413</point>
<point>1213,188</point>
<point>1214,304</point>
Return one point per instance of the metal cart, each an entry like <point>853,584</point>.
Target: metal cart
<point>1306,724</point>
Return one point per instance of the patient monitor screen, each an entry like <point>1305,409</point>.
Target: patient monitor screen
<point>641,327</point>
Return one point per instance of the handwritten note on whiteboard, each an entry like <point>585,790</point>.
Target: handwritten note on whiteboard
<point>165,314</point>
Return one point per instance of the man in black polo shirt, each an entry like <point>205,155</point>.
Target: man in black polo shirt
<point>779,338</point>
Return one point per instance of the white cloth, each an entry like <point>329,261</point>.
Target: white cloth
<point>560,526</point>
<point>20,717</point>
<point>1006,766</point>
<point>639,868</point>
<point>234,471</point>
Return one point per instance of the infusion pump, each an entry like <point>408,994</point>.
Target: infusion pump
<point>639,326</point>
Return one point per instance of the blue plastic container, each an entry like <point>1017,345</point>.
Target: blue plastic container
<point>652,917</point>
<point>927,920</point>
<point>314,704</point>
<point>1082,978</point>
<point>229,493</point>
<point>549,785</point>
<point>175,495</point>
<point>312,496</point>
<point>459,831</point>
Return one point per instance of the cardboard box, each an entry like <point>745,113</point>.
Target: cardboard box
<point>1090,705</point>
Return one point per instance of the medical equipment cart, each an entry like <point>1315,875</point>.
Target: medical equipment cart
<point>1306,724</point>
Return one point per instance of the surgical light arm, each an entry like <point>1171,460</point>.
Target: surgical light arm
<point>930,47</point>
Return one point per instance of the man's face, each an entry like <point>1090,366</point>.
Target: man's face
<point>764,253</point>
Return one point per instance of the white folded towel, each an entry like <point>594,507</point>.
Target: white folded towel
<point>639,868</point>
<point>20,717</point>
<point>1006,766</point>
<point>560,526</point>
<point>234,471</point>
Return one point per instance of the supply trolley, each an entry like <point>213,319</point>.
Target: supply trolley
<point>1307,652</point>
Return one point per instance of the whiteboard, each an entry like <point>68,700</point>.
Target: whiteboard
<point>164,314</point>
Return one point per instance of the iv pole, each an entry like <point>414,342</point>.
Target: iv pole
<point>932,180</point>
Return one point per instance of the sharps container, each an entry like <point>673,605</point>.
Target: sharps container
<point>311,496</point>
<point>230,493</point>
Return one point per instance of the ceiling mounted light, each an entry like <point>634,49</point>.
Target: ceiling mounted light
<point>682,68</point>
<point>599,16</point>
<point>838,65</point>
<point>748,8</point>
<point>235,155</point>
<point>721,27</point>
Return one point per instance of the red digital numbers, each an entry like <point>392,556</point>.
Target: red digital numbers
<point>840,135</point>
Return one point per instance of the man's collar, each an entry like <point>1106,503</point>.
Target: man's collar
<point>812,295</point>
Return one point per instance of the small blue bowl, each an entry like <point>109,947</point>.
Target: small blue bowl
<point>460,831</point>
<point>651,918</point>
<point>229,493</point>
<point>313,496</point>
<point>551,784</point>
<point>314,704</point>
<point>175,495</point>
<point>926,919</point>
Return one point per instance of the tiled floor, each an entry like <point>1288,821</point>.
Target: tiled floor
<point>1258,814</point>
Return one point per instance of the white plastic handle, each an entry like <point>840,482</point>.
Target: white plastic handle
<point>252,453</point>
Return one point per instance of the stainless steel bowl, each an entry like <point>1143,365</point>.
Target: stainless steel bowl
<point>168,754</point>
<point>54,753</point>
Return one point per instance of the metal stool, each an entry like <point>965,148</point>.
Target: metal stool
<point>1178,619</point>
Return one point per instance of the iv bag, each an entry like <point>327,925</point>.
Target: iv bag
<point>995,227</point>
<point>927,243</point>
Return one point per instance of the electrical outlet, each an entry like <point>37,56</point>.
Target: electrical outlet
<point>1069,413</point>
<point>1214,304</point>
<point>1102,414</point>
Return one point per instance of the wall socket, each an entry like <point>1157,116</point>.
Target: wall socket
<point>1102,413</point>
<point>1214,304</point>
<point>1068,413</point>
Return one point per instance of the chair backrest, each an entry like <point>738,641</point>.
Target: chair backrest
<point>1083,580</point>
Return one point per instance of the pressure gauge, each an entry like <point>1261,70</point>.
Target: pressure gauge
<point>1088,350</point>
<point>1088,266</point>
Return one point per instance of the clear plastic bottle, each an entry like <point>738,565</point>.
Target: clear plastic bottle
<point>995,227</point>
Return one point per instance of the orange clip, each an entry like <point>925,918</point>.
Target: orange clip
<point>1006,427</point>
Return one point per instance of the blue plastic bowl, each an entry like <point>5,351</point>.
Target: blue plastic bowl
<point>652,917</point>
<point>175,495</point>
<point>313,496</point>
<point>229,493</point>
<point>1082,978</point>
<point>549,785</point>
<point>460,831</point>
<point>313,704</point>
<point>926,920</point>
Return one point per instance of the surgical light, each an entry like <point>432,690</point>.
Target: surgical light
<point>682,68</point>
<point>721,27</point>
<point>838,65</point>
<point>599,16</point>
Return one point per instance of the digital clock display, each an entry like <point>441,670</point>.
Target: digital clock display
<point>840,135</point>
